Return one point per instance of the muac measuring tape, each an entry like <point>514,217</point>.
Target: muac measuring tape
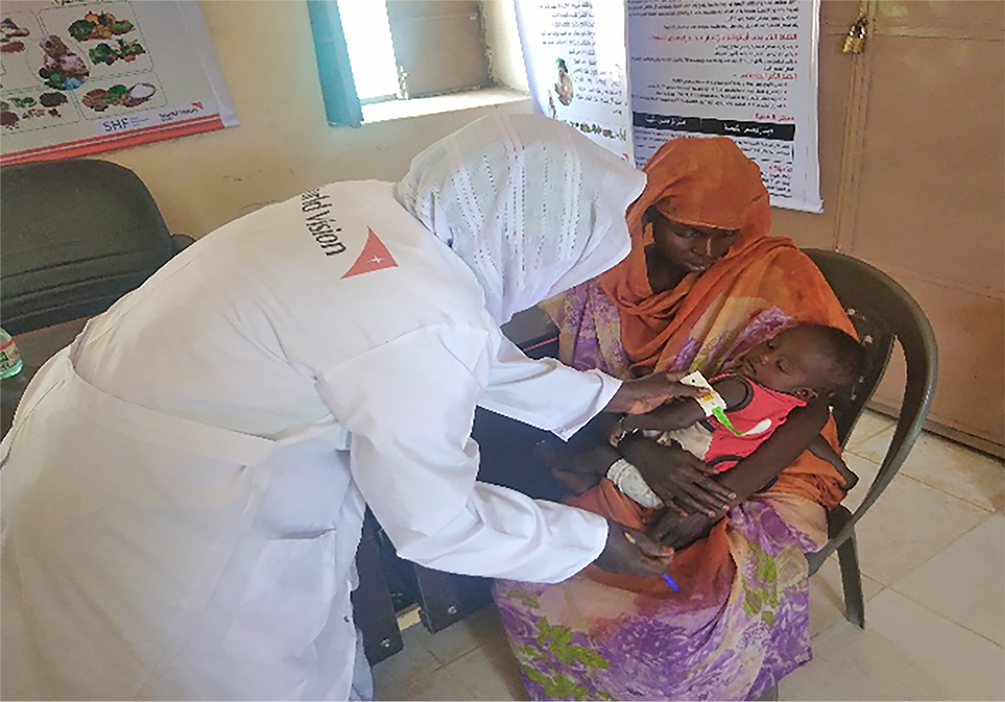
<point>711,402</point>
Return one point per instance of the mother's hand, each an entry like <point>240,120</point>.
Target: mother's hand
<point>677,476</point>
<point>679,532</point>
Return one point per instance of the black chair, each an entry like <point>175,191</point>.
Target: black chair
<point>74,237</point>
<point>883,313</point>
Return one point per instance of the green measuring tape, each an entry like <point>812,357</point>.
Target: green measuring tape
<point>718,413</point>
<point>717,408</point>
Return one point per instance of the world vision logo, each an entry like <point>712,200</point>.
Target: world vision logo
<point>374,257</point>
<point>316,207</point>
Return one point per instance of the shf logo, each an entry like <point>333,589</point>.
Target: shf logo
<point>115,125</point>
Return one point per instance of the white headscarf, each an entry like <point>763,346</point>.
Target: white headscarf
<point>529,204</point>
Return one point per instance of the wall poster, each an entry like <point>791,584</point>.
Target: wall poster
<point>577,67</point>
<point>746,69</point>
<point>78,78</point>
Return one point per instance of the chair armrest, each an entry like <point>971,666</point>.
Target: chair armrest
<point>181,241</point>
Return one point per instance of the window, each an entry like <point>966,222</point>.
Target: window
<point>378,50</point>
<point>371,52</point>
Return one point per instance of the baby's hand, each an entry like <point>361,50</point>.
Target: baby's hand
<point>673,415</point>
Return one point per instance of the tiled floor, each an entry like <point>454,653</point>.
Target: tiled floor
<point>933,564</point>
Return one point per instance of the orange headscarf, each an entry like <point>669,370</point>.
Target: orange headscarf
<point>697,181</point>
<point>704,182</point>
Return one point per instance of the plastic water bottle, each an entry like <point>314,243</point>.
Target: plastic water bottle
<point>10,357</point>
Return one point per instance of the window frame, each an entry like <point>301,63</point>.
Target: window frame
<point>342,104</point>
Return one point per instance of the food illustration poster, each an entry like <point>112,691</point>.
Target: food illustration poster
<point>24,106</point>
<point>105,36</point>
<point>106,74</point>
<point>19,32</point>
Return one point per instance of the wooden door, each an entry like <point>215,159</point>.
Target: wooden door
<point>912,153</point>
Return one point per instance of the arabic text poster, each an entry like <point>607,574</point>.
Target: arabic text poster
<point>83,77</point>
<point>744,69</point>
<point>576,57</point>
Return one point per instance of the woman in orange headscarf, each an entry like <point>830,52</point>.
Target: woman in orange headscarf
<point>702,285</point>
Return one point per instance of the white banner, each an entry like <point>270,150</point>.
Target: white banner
<point>576,66</point>
<point>743,69</point>
<point>82,77</point>
<point>746,69</point>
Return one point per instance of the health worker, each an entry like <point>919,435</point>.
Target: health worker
<point>184,486</point>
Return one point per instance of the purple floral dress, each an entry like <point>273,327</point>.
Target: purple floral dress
<point>584,640</point>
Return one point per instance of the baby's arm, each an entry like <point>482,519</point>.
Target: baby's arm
<point>683,413</point>
<point>821,449</point>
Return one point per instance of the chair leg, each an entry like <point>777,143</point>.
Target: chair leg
<point>770,695</point>
<point>851,582</point>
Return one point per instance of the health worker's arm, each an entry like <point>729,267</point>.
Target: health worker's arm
<point>544,393</point>
<point>549,395</point>
<point>409,405</point>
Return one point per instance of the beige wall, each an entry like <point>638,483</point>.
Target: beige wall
<point>917,196</point>
<point>284,144</point>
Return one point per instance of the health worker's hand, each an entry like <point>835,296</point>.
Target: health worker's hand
<point>630,552</point>
<point>646,394</point>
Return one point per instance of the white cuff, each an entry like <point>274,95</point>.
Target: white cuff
<point>609,387</point>
<point>630,481</point>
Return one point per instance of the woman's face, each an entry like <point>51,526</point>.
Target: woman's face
<point>691,247</point>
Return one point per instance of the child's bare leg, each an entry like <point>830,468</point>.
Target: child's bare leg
<point>821,449</point>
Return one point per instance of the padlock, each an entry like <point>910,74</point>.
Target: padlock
<point>854,43</point>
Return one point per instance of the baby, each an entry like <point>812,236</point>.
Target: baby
<point>787,371</point>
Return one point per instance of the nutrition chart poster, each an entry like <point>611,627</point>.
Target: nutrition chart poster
<point>78,78</point>
<point>746,69</point>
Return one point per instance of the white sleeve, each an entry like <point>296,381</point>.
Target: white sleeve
<point>545,393</point>
<point>409,405</point>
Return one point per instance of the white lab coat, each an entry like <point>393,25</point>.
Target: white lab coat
<point>183,488</point>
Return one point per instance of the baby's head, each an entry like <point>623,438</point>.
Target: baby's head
<point>806,361</point>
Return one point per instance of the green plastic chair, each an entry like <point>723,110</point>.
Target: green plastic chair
<point>76,236</point>
<point>883,313</point>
